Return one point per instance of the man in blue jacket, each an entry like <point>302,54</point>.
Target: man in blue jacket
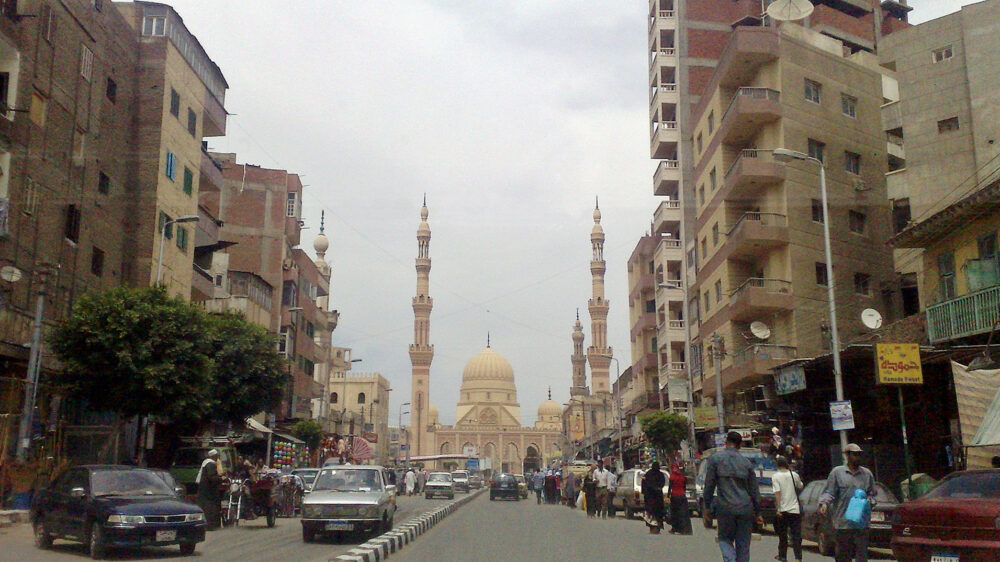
<point>732,492</point>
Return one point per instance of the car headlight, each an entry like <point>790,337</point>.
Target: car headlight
<point>126,519</point>
<point>367,510</point>
<point>195,517</point>
<point>311,511</point>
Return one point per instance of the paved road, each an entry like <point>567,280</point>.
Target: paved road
<point>251,541</point>
<point>519,531</point>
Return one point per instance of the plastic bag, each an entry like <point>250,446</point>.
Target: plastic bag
<point>858,510</point>
<point>581,501</point>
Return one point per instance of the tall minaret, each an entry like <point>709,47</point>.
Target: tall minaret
<point>579,387</point>
<point>598,305</point>
<point>421,351</point>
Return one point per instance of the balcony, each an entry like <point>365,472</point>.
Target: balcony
<point>663,142</point>
<point>646,321</point>
<point>667,179</point>
<point>644,401</point>
<point>662,19</point>
<point>752,170</point>
<point>670,288</point>
<point>665,56</point>
<point>666,212</point>
<point>749,110</point>
<point>748,48</point>
<point>965,316</point>
<point>758,297</point>
<point>210,174</point>
<point>755,233</point>
<point>664,93</point>
<point>643,283</point>
<point>753,363</point>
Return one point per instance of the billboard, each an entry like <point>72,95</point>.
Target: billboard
<point>898,363</point>
<point>706,416</point>
<point>789,380</point>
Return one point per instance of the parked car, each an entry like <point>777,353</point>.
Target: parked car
<point>959,519</point>
<point>461,480</point>
<point>628,494</point>
<point>107,506</point>
<point>308,476</point>
<point>522,485</point>
<point>169,480</point>
<point>816,527</point>
<point>439,484</point>
<point>504,485</point>
<point>475,481</point>
<point>346,499</point>
<point>764,466</point>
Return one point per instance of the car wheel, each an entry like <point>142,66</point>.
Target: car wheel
<point>388,524</point>
<point>96,543</point>
<point>187,548</point>
<point>308,535</point>
<point>42,537</point>
<point>823,543</point>
<point>272,516</point>
<point>492,497</point>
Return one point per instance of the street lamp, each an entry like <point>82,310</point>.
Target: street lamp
<point>786,155</point>
<point>400,424</point>
<point>343,410</point>
<point>618,405</point>
<point>163,239</point>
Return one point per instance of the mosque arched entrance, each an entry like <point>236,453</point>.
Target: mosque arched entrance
<point>532,459</point>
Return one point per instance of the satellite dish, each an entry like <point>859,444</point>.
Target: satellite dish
<point>789,10</point>
<point>871,318</point>
<point>760,330</point>
<point>10,274</point>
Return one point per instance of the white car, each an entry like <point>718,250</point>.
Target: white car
<point>347,499</point>
<point>439,484</point>
<point>461,480</point>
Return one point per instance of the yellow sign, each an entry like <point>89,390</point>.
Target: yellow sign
<point>576,428</point>
<point>706,416</point>
<point>898,363</point>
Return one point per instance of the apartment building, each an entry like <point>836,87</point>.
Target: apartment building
<point>365,398</point>
<point>759,226</point>
<point>643,331</point>
<point>941,127</point>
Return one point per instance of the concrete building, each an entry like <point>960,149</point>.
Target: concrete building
<point>760,250</point>
<point>643,324</point>
<point>941,128</point>
<point>365,399</point>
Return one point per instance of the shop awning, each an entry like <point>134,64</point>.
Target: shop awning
<point>288,438</point>
<point>978,411</point>
<point>257,426</point>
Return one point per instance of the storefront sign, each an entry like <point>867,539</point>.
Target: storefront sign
<point>677,390</point>
<point>789,380</point>
<point>469,450</point>
<point>898,363</point>
<point>706,416</point>
<point>842,415</point>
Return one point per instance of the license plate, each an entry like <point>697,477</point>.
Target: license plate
<point>944,557</point>
<point>164,536</point>
<point>339,526</point>
<point>878,516</point>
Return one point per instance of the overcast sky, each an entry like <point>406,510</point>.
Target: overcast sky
<point>510,119</point>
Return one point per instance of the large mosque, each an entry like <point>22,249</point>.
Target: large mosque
<point>488,415</point>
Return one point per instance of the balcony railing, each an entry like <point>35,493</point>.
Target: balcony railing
<point>668,165</point>
<point>778,286</point>
<point>669,284</point>
<point>666,13</point>
<point>764,351</point>
<point>675,324</point>
<point>964,316</point>
<point>762,219</point>
<point>666,126</point>
<point>670,243</point>
<point>753,93</point>
<point>754,153</point>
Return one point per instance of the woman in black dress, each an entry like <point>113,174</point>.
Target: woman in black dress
<point>652,496</point>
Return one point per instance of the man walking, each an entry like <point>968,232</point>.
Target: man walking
<point>851,541</point>
<point>209,496</point>
<point>731,476</point>
<point>411,482</point>
<point>789,522</point>
<point>601,476</point>
<point>538,482</point>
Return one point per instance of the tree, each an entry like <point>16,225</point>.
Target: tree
<point>665,430</point>
<point>135,352</point>
<point>309,431</point>
<point>247,371</point>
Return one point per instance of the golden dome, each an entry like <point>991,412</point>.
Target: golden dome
<point>549,408</point>
<point>488,370</point>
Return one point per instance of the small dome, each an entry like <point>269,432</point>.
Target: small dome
<point>321,243</point>
<point>432,413</point>
<point>549,408</point>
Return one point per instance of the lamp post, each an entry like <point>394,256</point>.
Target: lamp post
<point>163,239</point>
<point>618,407</point>
<point>785,155</point>
<point>400,423</point>
<point>343,410</point>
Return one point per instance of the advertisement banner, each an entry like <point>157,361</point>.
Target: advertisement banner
<point>789,380</point>
<point>677,389</point>
<point>576,428</point>
<point>469,450</point>
<point>898,363</point>
<point>842,415</point>
<point>706,416</point>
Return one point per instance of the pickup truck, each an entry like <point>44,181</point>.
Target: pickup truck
<point>187,462</point>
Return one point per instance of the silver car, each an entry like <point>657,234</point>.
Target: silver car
<point>439,484</point>
<point>346,499</point>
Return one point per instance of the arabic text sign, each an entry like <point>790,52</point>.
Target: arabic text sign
<point>898,363</point>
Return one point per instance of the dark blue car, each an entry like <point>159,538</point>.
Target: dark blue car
<point>107,506</point>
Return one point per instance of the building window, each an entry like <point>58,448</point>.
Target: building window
<point>175,103</point>
<point>816,149</point>
<point>699,143</point>
<point>283,340</point>
<point>72,228</point>
<point>310,329</point>
<point>333,397</point>
<point>942,54</point>
<point>289,294</point>
<point>292,206</point>
<point>852,163</point>
<point>111,90</point>
<point>164,219</point>
<point>188,180</point>
<point>711,121</point>
<point>946,275</point>
<point>37,110</point>
<point>361,398</point>
<point>821,274</point>
<point>79,140</point>
<point>849,105</point>
<point>817,210</point>
<point>154,25</point>
<point>813,90</point>
<point>651,306</point>
<point>171,166</point>
<point>900,214</point>
<point>862,284</point>
<point>718,291</point>
<point>86,63</point>
<point>192,122</point>
<point>97,261</point>
<point>701,195</point>
<point>856,221</point>
<point>182,238</point>
<point>48,18</point>
<point>708,303</point>
<point>712,177</point>
<point>987,244</point>
<point>30,202</point>
<point>948,125</point>
<point>103,183</point>
<point>704,249</point>
<point>715,234</point>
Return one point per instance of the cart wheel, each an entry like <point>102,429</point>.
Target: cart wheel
<point>272,516</point>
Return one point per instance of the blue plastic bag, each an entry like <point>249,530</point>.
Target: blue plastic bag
<point>859,510</point>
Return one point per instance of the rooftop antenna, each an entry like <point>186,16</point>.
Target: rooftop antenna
<point>789,10</point>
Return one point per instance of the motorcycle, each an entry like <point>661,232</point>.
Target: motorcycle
<point>250,499</point>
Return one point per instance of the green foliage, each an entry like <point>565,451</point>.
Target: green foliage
<point>309,431</point>
<point>248,373</point>
<point>135,352</point>
<point>665,430</point>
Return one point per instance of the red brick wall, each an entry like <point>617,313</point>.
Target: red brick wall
<point>706,43</point>
<point>721,11</point>
<point>698,79</point>
<point>863,27</point>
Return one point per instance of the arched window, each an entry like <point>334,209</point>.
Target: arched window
<point>361,398</point>
<point>333,397</point>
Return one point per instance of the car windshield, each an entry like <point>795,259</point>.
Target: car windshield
<point>460,475</point>
<point>884,497</point>
<point>519,478</point>
<point>190,456</point>
<point>505,478</point>
<point>308,476</point>
<point>348,480</point>
<point>439,477</point>
<point>968,486</point>
<point>128,483</point>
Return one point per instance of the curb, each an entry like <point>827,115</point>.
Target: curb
<point>381,547</point>
<point>11,517</point>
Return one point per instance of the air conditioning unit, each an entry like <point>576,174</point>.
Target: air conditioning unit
<point>287,264</point>
<point>861,185</point>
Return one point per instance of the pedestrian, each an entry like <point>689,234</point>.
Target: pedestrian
<point>209,494</point>
<point>734,499</point>
<point>421,480</point>
<point>788,524</point>
<point>551,490</point>
<point>851,539</point>
<point>590,493</point>
<point>612,489</point>
<point>652,498</point>
<point>601,476</point>
<point>569,488</point>
<point>411,482</point>
<point>680,517</point>
<point>538,483</point>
